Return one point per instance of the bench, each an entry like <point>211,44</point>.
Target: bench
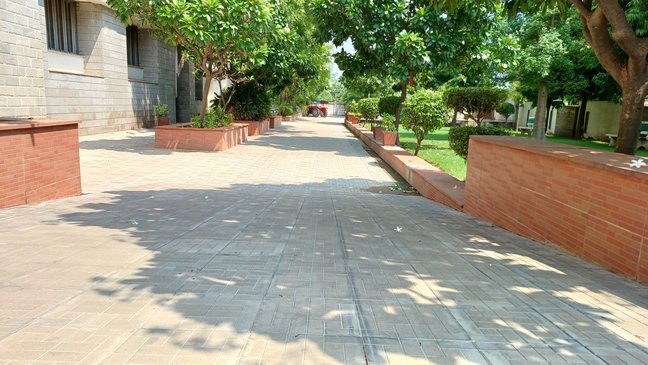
<point>643,142</point>
<point>525,130</point>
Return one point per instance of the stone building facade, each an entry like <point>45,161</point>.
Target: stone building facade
<point>68,59</point>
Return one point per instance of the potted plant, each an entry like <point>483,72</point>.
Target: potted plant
<point>162,113</point>
<point>390,135</point>
<point>378,129</point>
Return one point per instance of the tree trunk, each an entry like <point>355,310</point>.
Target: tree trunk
<point>580,121</point>
<point>541,112</point>
<point>205,103</point>
<point>634,84</point>
<point>630,123</point>
<point>517,115</point>
<point>399,109</point>
<point>418,147</point>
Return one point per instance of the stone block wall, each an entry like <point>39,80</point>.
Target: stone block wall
<point>104,98</point>
<point>22,58</point>
<point>590,203</point>
<point>100,95</point>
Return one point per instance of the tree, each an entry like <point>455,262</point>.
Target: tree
<point>223,38</point>
<point>474,102</point>
<point>541,47</point>
<point>506,109</point>
<point>399,38</point>
<point>424,112</point>
<point>617,31</point>
<point>292,53</point>
<point>571,74</point>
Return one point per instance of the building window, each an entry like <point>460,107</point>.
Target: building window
<point>61,22</point>
<point>132,45</point>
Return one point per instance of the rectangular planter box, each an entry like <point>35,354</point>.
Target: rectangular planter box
<point>177,136</point>
<point>40,161</point>
<point>255,128</point>
<point>286,118</point>
<point>275,122</point>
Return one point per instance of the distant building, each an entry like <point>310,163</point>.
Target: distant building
<point>67,59</point>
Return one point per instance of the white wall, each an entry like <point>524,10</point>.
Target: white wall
<point>603,119</point>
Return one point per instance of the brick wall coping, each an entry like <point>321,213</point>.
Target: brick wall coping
<point>185,127</point>
<point>615,162</point>
<point>24,123</point>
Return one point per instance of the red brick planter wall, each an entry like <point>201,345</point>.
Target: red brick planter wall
<point>287,118</point>
<point>589,202</point>
<point>428,180</point>
<point>275,122</point>
<point>39,161</point>
<point>219,139</point>
<point>255,128</point>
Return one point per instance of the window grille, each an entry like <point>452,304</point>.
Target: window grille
<point>61,23</point>
<point>132,45</point>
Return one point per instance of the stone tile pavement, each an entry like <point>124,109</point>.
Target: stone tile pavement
<point>283,251</point>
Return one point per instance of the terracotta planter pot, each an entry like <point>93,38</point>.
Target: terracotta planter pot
<point>163,121</point>
<point>378,132</point>
<point>181,136</point>
<point>389,138</point>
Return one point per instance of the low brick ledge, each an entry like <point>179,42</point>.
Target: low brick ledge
<point>427,179</point>
<point>26,123</point>
<point>613,162</point>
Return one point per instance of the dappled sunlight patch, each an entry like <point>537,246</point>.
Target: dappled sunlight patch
<point>509,259</point>
<point>526,290</point>
<point>480,239</point>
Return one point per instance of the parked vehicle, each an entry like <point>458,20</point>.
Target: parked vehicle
<point>318,108</point>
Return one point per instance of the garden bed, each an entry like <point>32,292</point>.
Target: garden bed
<point>182,136</point>
<point>255,128</point>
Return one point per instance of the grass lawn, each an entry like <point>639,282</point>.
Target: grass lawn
<point>436,150</point>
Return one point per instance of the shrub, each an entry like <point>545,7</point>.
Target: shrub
<point>474,102</point>
<point>388,122</point>
<point>249,102</point>
<point>286,109</point>
<point>161,110</point>
<point>459,137</point>
<point>424,112</point>
<point>388,105</point>
<point>213,119</point>
<point>506,109</point>
<point>352,107</point>
<point>368,108</point>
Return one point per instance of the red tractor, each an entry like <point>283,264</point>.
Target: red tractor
<point>317,109</point>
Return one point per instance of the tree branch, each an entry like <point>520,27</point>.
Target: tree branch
<point>603,45</point>
<point>622,32</point>
<point>584,8</point>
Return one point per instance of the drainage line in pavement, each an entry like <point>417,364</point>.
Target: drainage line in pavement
<point>367,349</point>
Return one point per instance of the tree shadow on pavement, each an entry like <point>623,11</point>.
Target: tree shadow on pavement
<point>317,274</point>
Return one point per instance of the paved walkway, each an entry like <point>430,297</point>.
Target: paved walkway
<point>282,251</point>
